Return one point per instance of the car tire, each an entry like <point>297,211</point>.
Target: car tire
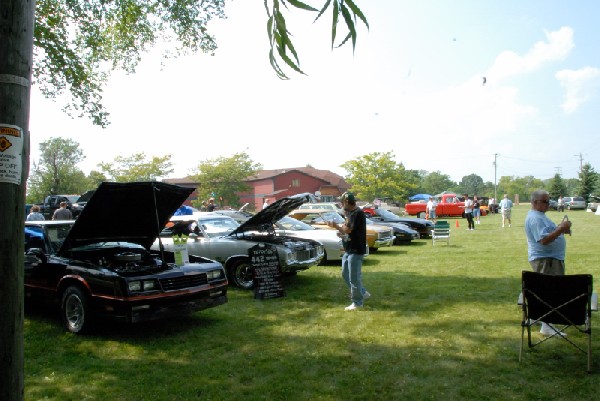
<point>421,215</point>
<point>241,274</point>
<point>75,311</point>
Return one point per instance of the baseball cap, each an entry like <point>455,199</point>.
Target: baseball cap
<point>348,196</point>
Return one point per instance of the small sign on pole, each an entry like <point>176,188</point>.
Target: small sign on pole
<point>11,153</point>
<point>267,272</point>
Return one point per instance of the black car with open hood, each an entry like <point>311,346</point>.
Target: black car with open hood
<point>101,266</point>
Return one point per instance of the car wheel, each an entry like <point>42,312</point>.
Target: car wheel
<point>75,309</point>
<point>241,273</point>
<point>421,215</point>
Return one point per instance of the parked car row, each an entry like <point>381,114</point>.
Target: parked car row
<point>220,237</point>
<point>105,266</point>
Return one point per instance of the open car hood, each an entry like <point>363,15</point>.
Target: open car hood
<point>125,212</point>
<point>86,196</point>
<point>273,213</point>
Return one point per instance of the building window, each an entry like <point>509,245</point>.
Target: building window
<point>295,182</point>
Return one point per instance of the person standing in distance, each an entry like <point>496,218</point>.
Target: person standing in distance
<point>34,214</point>
<point>354,235</point>
<point>431,206</point>
<point>469,212</point>
<point>476,210</point>
<point>211,205</point>
<point>62,213</point>
<point>546,244</point>
<point>505,207</point>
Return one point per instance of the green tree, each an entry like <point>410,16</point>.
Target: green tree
<point>136,167</point>
<point>417,178</point>
<point>573,185</point>
<point>56,171</point>
<point>225,177</point>
<point>557,187</point>
<point>436,182</point>
<point>378,175</point>
<point>587,181</point>
<point>471,184</point>
<point>78,43</point>
<point>279,36</point>
<point>95,178</point>
<point>520,187</point>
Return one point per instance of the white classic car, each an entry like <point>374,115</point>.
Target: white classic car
<point>221,238</point>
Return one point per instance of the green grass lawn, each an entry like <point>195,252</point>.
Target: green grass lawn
<point>442,324</point>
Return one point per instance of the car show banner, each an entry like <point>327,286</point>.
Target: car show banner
<point>11,153</point>
<point>266,272</point>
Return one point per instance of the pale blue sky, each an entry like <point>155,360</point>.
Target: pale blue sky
<point>413,87</point>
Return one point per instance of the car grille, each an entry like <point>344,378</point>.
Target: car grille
<point>178,283</point>
<point>307,254</point>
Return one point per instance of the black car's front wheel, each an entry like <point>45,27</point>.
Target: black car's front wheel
<point>75,310</point>
<point>241,273</point>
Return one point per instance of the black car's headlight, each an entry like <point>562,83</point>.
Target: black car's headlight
<point>214,274</point>
<point>142,285</point>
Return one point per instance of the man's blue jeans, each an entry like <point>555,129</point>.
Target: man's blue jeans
<point>352,274</point>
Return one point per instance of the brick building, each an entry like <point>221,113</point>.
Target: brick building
<point>275,184</point>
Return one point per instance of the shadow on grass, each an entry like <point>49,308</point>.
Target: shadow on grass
<point>293,349</point>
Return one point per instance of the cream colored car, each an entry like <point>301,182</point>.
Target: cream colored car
<point>378,236</point>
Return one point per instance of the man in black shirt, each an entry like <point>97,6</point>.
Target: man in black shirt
<point>354,236</point>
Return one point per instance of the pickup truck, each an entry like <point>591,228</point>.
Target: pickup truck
<point>52,202</point>
<point>448,205</point>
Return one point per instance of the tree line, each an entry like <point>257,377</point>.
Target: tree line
<point>375,175</point>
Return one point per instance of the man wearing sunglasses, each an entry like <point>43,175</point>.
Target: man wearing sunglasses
<point>546,243</point>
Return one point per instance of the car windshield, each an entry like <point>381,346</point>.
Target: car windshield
<point>387,214</point>
<point>318,206</point>
<point>289,223</point>
<point>321,218</point>
<point>56,235</point>
<point>73,198</point>
<point>217,227</point>
<point>210,227</point>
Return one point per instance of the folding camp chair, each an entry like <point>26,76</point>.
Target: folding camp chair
<point>440,232</point>
<point>560,301</point>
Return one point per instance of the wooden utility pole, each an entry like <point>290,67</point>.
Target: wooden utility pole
<point>16,55</point>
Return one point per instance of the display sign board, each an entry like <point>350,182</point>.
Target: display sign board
<point>267,272</point>
<point>11,153</point>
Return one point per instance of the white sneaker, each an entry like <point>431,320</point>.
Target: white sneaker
<point>352,306</point>
<point>509,225</point>
<point>366,295</point>
<point>548,330</point>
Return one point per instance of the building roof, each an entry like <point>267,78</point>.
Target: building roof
<point>329,177</point>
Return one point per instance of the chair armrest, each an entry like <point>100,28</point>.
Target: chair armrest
<point>594,301</point>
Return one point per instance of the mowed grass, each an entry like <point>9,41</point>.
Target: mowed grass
<point>442,324</point>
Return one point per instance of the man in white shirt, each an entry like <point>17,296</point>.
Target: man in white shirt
<point>431,206</point>
<point>469,212</point>
<point>505,207</point>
